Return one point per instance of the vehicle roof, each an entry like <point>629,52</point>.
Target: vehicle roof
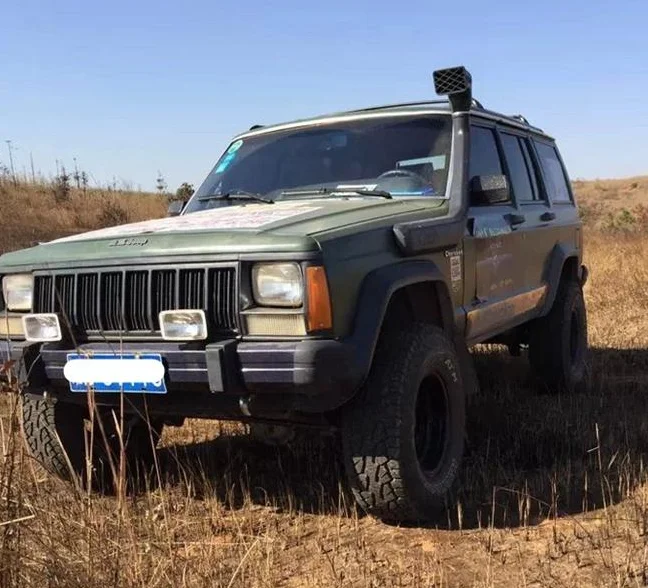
<point>402,109</point>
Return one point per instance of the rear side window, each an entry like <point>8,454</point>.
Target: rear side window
<point>517,168</point>
<point>554,173</point>
<point>484,157</point>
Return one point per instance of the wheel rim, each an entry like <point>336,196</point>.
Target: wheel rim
<point>431,423</point>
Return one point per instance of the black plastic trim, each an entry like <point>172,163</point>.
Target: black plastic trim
<point>418,237</point>
<point>559,256</point>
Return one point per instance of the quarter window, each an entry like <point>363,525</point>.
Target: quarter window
<point>554,173</point>
<point>517,168</point>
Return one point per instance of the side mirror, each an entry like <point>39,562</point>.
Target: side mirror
<point>175,207</point>
<point>489,190</point>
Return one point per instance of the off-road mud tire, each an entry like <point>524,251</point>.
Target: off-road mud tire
<point>55,434</point>
<point>378,428</point>
<point>558,350</point>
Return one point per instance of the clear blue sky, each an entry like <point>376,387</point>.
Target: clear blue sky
<point>129,88</point>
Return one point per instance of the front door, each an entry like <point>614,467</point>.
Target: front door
<point>495,248</point>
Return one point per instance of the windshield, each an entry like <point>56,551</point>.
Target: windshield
<point>399,156</point>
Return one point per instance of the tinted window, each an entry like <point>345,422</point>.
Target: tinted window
<point>357,152</point>
<point>531,166</point>
<point>484,158</point>
<point>517,167</point>
<point>553,173</point>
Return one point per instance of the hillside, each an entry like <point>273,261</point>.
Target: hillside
<point>553,492</point>
<point>39,212</point>
<point>614,204</point>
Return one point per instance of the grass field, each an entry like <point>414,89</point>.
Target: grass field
<point>553,492</point>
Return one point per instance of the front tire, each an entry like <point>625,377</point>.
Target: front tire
<point>403,436</point>
<point>56,434</point>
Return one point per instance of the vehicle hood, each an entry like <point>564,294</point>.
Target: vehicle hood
<point>285,226</point>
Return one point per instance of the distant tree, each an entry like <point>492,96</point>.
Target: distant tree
<point>160,183</point>
<point>185,191</point>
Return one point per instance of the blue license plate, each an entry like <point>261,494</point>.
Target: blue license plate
<point>111,372</point>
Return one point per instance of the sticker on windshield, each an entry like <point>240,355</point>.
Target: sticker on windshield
<point>223,165</point>
<point>234,147</point>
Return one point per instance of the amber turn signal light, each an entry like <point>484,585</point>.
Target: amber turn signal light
<point>319,302</point>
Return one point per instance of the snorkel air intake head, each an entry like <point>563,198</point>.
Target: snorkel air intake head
<point>456,83</point>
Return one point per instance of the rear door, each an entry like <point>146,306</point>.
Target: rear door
<point>565,226</point>
<point>492,248</point>
<point>537,229</point>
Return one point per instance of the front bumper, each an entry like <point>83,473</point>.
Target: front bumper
<point>269,377</point>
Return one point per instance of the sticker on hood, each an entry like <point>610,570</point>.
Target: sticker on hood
<point>250,216</point>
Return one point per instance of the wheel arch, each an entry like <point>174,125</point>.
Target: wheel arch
<point>564,263</point>
<point>416,288</point>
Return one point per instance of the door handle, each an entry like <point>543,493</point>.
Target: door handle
<point>547,216</point>
<point>515,219</point>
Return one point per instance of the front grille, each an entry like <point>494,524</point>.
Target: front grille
<point>129,301</point>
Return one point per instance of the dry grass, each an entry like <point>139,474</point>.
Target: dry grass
<point>30,213</point>
<point>554,491</point>
<point>617,205</point>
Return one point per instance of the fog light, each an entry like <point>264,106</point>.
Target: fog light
<point>40,328</point>
<point>183,325</point>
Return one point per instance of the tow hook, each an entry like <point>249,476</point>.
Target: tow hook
<point>244,405</point>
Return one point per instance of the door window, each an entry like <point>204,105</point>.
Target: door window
<point>484,157</point>
<point>517,168</point>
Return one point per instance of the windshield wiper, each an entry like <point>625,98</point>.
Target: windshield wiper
<point>332,192</point>
<point>237,195</point>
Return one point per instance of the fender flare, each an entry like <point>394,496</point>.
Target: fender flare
<point>376,291</point>
<point>561,254</point>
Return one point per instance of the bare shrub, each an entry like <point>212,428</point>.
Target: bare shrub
<point>112,213</point>
<point>61,187</point>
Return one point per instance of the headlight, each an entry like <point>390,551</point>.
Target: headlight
<point>278,284</point>
<point>17,291</point>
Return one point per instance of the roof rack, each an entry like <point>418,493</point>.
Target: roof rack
<point>520,118</point>
<point>524,120</point>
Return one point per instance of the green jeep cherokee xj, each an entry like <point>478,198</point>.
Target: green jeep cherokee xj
<point>329,272</point>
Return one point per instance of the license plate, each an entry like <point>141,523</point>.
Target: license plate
<point>110,372</point>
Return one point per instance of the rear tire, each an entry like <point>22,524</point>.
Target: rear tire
<point>403,436</point>
<point>558,344</point>
<point>56,433</point>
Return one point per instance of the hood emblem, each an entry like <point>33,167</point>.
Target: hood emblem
<point>128,242</point>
